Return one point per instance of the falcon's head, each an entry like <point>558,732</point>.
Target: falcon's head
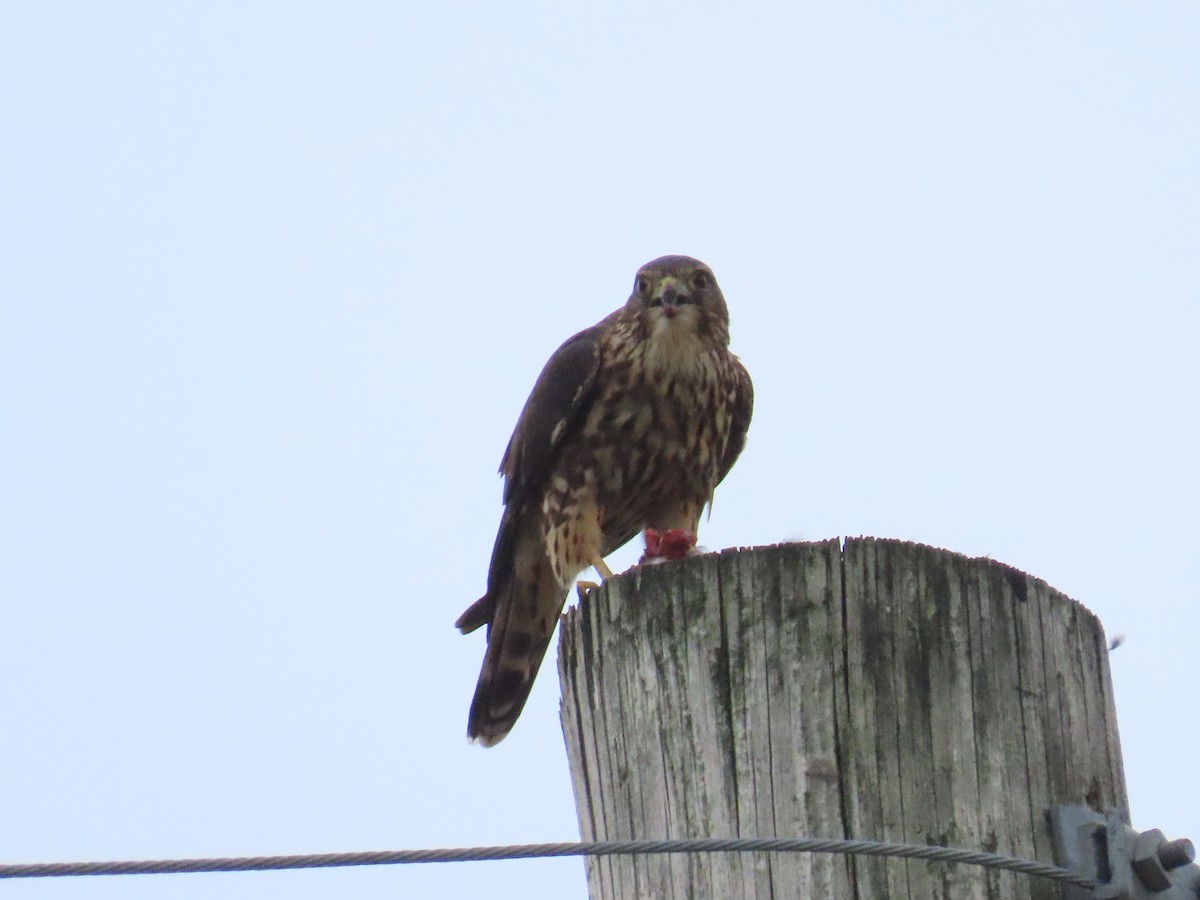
<point>677,297</point>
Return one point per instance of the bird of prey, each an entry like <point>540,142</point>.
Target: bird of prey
<point>630,426</point>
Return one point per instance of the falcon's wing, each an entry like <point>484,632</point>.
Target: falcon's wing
<point>743,408</point>
<point>556,403</point>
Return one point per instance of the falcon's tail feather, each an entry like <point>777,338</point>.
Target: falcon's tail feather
<point>476,615</point>
<point>524,615</point>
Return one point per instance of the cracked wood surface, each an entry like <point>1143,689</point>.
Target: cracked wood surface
<point>879,690</point>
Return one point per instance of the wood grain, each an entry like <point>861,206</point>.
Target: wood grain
<point>877,690</point>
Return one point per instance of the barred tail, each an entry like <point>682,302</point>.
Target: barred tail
<point>523,616</point>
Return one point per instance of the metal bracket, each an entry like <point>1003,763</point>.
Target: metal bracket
<point>1126,864</point>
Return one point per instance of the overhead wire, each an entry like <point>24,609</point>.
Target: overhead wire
<point>543,851</point>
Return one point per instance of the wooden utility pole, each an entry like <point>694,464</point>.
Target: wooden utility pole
<point>878,690</point>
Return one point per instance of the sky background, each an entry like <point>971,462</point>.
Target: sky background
<point>276,278</point>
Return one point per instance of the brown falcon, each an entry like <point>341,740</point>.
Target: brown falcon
<point>631,425</point>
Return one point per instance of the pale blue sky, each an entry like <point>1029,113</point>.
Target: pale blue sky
<point>275,280</point>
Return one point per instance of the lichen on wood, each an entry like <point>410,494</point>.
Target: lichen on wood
<point>873,690</point>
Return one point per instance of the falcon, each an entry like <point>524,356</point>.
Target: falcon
<point>630,426</point>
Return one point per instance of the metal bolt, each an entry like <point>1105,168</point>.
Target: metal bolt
<point>1146,863</point>
<point>1176,853</point>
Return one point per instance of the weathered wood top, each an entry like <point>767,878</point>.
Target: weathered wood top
<point>877,690</point>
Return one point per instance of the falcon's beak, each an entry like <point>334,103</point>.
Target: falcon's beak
<point>670,294</point>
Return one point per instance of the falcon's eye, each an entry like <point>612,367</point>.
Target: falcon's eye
<point>701,280</point>
<point>642,285</point>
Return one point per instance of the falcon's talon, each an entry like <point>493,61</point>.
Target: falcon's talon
<point>583,588</point>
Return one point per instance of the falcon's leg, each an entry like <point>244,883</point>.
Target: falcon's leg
<point>583,588</point>
<point>674,543</point>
